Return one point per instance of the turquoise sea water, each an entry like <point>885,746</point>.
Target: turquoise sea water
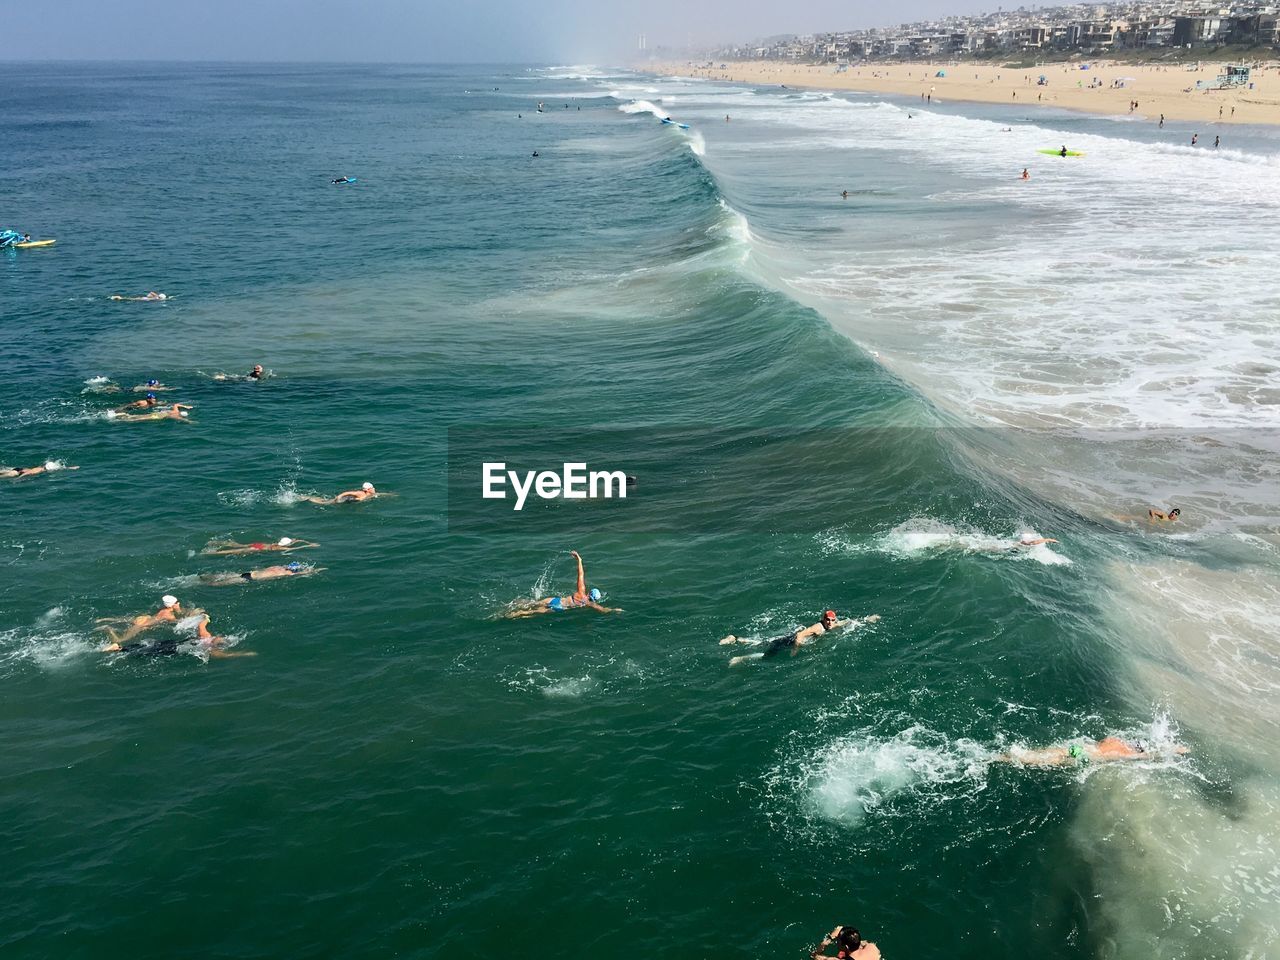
<point>399,773</point>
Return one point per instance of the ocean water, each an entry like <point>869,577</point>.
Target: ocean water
<point>826,402</point>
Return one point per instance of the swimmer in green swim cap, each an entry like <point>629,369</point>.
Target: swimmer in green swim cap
<point>1088,751</point>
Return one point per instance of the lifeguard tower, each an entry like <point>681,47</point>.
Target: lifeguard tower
<point>1234,77</point>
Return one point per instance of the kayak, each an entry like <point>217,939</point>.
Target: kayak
<point>35,243</point>
<point>682,126</point>
<point>1058,153</point>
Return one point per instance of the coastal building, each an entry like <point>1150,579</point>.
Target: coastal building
<point>1087,28</point>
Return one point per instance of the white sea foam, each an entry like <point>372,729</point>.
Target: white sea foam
<point>852,777</point>
<point>642,106</point>
<point>49,643</point>
<point>284,495</point>
<point>923,535</point>
<point>733,225</point>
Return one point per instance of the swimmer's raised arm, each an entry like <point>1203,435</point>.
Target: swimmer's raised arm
<point>582,576</point>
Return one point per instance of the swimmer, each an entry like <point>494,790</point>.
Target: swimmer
<point>151,386</point>
<point>230,548</point>
<point>1171,516</point>
<point>535,153</point>
<point>844,194</point>
<point>294,569</point>
<point>1087,751</point>
<point>342,180</point>
<point>797,638</point>
<point>101,385</point>
<point>169,612</point>
<point>366,492</point>
<point>17,473</point>
<point>581,597</point>
<point>1025,174</point>
<point>257,373</point>
<point>151,297</point>
<point>169,646</point>
<point>146,403</point>
<point>1063,151</point>
<point>176,412</point>
<point>849,943</point>
<point>1011,545</point>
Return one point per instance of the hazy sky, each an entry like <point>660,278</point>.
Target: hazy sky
<point>560,31</point>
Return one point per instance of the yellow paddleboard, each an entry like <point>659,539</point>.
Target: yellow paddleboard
<point>35,243</point>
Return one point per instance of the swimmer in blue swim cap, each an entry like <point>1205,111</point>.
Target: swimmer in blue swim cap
<point>581,597</point>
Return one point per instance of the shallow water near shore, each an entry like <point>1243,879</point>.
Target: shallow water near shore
<point>397,771</point>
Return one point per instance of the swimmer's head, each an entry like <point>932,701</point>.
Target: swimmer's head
<point>150,396</point>
<point>257,368</point>
<point>829,616</point>
<point>52,465</point>
<point>183,413</point>
<point>595,594</point>
<point>367,487</point>
<point>1175,512</point>
<point>284,541</point>
<point>293,567</point>
<point>153,383</point>
<point>169,600</point>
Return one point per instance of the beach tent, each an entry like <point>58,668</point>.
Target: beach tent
<point>941,73</point>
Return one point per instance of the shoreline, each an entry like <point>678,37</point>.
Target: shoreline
<point>1107,88</point>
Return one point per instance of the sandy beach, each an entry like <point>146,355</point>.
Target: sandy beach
<point>1108,87</point>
